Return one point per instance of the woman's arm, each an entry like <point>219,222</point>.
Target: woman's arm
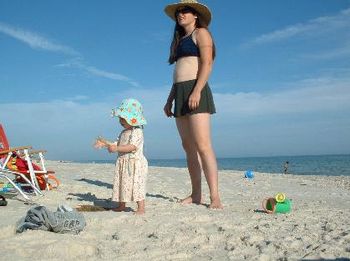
<point>171,96</point>
<point>169,103</point>
<point>205,45</point>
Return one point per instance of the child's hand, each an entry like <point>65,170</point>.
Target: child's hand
<point>112,148</point>
<point>99,144</point>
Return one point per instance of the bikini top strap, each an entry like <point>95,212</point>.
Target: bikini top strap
<point>193,30</point>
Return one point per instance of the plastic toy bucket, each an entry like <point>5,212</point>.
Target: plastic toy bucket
<point>270,205</point>
<point>249,174</point>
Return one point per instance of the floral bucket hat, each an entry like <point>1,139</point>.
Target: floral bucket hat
<point>130,110</point>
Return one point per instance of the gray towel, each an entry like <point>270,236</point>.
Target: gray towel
<point>39,217</point>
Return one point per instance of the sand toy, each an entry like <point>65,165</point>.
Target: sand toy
<point>249,174</point>
<point>278,204</point>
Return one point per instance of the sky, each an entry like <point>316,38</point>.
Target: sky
<point>280,81</point>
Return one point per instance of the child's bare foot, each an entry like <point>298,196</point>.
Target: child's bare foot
<point>118,209</point>
<point>191,199</point>
<point>216,204</point>
<point>121,207</point>
<point>139,212</point>
<point>140,207</point>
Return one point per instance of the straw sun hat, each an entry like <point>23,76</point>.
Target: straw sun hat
<point>203,10</point>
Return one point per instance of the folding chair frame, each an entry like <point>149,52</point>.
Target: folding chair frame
<point>3,174</point>
<point>24,152</point>
<point>32,181</point>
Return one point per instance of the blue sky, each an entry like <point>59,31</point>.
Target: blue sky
<point>281,79</point>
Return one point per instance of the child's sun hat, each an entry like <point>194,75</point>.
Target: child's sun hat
<point>130,110</point>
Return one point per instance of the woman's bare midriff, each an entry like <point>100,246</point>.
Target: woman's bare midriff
<point>186,68</point>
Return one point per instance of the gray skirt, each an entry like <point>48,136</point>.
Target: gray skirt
<point>182,92</point>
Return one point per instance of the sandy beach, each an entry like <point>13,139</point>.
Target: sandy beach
<point>317,227</point>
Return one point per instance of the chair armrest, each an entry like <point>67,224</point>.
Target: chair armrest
<point>14,149</point>
<point>37,151</point>
<point>32,152</point>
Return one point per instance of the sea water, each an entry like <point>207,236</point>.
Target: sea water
<point>329,165</point>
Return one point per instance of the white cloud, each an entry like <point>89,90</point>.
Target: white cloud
<point>308,117</point>
<point>36,41</point>
<point>307,96</point>
<point>110,75</point>
<point>78,98</point>
<point>246,123</point>
<point>320,25</point>
<point>66,128</point>
<point>79,63</point>
<point>340,52</point>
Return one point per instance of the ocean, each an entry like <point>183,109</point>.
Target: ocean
<point>326,165</point>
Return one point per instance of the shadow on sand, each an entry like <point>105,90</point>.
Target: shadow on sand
<point>96,183</point>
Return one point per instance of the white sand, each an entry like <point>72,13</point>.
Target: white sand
<point>317,227</point>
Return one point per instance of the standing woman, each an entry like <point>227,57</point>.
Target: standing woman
<point>193,51</point>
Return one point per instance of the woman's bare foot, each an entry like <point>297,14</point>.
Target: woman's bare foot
<point>191,199</point>
<point>121,207</point>
<point>216,204</point>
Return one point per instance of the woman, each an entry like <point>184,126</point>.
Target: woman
<point>193,50</point>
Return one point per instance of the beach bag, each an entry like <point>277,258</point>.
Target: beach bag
<point>60,221</point>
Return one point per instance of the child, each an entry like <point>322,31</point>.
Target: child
<point>131,166</point>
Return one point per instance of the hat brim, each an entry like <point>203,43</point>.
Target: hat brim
<point>203,10</point>
<point>130,118</point>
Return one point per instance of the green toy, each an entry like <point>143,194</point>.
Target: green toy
<point>278,204</point>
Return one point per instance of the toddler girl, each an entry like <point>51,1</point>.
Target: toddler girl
<point>131,165</point>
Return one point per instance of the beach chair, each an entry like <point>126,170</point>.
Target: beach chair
<point>18,161</point>
<point>7,170</point>
<point>5,175</point>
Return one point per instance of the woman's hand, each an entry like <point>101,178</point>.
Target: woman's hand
<point>193,100</point>
<point>167,109</point>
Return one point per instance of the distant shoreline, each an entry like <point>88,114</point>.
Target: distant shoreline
<point>319,165</point>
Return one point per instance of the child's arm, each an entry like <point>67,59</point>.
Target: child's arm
<point>112,146</point>
<point>123,148</point>
<point>102,143</point>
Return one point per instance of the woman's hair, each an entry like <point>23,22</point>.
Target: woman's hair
<point>179,32</point>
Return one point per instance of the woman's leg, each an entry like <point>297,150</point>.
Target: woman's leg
<point>193,163</point>
<point>199,126</point>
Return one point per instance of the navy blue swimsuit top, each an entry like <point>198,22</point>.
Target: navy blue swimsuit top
<point>187,47</point>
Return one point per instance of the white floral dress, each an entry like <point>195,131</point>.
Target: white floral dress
<point>131,168</point>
